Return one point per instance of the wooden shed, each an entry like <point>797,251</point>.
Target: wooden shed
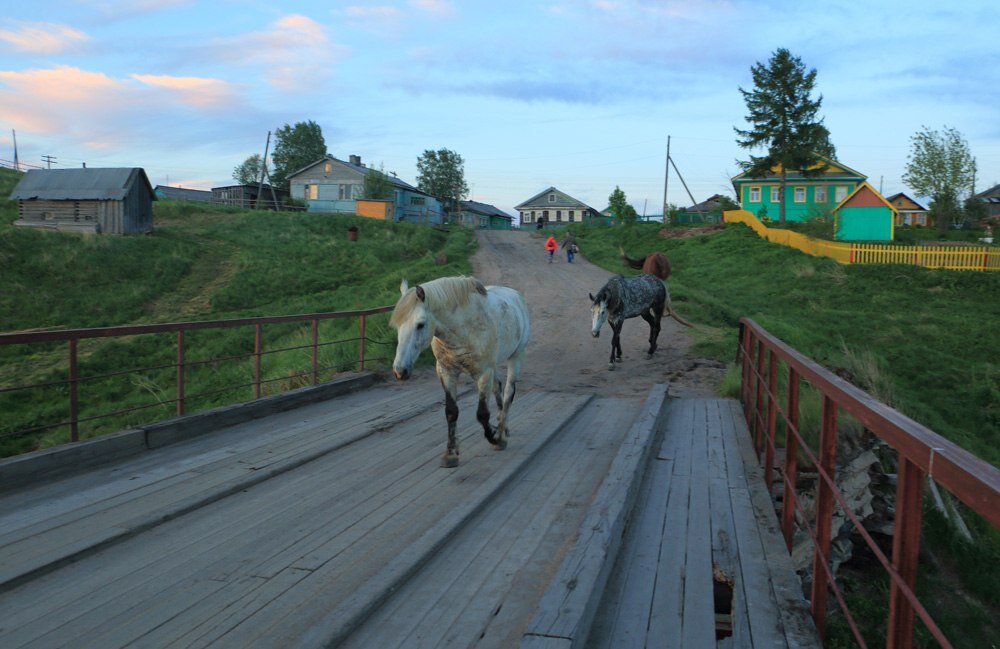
<point>865,215</point>
<point>100,201</point>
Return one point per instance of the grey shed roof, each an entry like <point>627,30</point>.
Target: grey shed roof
<point>184,194</point>
<point>80,184</point>
<point>485,208</point>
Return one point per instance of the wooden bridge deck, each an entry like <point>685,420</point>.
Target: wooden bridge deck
<point>332,525</point>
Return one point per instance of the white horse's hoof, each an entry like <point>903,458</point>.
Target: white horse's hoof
<point>611,367</point>
<point>501,445</point>
<point>449,460</point>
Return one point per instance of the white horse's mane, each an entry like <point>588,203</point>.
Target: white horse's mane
<point>441,294</point>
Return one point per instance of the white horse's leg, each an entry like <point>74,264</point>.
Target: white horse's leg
<point>449,381</point>
<point>510,387</point>
<point>484,384</point>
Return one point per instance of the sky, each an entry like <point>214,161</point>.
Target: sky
<point>581,95</point>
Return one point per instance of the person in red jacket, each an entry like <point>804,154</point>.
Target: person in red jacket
<point>551,246</point>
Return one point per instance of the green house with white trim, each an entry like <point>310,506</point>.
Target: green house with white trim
<point>821,194</point>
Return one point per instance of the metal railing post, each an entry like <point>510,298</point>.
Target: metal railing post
<point>180,372</point>
<point>905,552</point>
<point>74,407</point>
<point>791,459</point>
<point>758,407</point>
<point>772,412</point>
<point>824,513</point>
<point>361,346</point>
<point>256,360</point>
<point>315,351</point>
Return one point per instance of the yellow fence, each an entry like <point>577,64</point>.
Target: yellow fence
<point>948,257</point>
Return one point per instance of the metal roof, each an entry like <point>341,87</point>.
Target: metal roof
<point>80,184</point>
<point>485,208</point>
<point>183,193</point>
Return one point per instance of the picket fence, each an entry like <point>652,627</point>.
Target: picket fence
<point>980,258</point>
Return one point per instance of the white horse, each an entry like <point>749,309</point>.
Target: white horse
<point>471,328</point>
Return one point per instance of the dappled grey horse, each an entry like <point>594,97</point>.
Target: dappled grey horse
<point>627,297</point>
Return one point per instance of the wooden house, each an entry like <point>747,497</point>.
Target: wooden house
<point>250,196</point>
<point>909,211</point>
<point>991,198</point>
<point>555,207</point>
<point>865,215</point>
<point>483,216</point>
<point>181,194</point>
<point>100,201</point>
<point>807,196</point>
<point>335,186</point>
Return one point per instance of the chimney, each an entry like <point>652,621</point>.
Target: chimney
<point>356,160</point>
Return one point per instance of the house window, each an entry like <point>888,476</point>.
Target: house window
<point>776,194</point>
<point>558,215</point>
<point>311,192</point>
<point>755,194</point>
<point>326,167</point>
<point>800,195</point>
<point>821,194</point>
<point>571,216</point>
<point>552,198</point>
<point>545,214</point>
<point>416,200</point>
<point>839,194</point>
<point>532,215</point>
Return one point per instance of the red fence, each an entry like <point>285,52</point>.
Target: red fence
<point>921,454</point>
<point>73,379</point>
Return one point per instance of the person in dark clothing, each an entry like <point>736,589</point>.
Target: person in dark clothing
<point>569,245</point>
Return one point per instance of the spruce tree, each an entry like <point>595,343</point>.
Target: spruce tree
<point>784,122</point>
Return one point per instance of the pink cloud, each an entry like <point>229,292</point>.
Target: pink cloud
<point>44,38</point>
<point>193,91</point>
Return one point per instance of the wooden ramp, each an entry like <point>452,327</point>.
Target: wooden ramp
<point>332,525</point>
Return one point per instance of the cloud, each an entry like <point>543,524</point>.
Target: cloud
<point>440,7</point>
<point>294,53</point>
<point>44,38</point>
<point>196,92</point>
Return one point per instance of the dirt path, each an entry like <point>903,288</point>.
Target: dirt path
<point>563,356</point>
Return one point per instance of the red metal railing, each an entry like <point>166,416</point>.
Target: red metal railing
<point>922,453</point>
<point>74,336</point>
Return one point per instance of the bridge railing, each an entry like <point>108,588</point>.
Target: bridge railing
<point>67,388</point>
<point>921,454</point>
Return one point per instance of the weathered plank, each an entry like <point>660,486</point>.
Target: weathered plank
<point>567,608</point>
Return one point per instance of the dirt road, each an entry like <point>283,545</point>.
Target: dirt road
<point>562,355</point>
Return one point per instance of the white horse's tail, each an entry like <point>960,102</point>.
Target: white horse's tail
<point>669,310</point>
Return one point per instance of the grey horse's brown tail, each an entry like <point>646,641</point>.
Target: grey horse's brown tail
<point>630,262</point>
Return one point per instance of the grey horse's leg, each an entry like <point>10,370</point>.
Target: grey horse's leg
<point>654,330</point>
<point>449,381</point>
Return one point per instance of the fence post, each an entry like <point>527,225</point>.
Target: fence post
<point>791,460</point>
<point>256,360</point>
<point>315,351</point>
<point>905,552</point>
<point>361,346</point>
<point>74,408</point>
<point>180,372</point>
<point>824,514</point>
<point>758,410</point>
<point>772,411</point>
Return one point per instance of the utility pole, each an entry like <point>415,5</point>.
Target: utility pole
<point>263,175</point>
<point>666,179</point>
<point>17,166</point>
<point>693,202</point>
<point>49,160</point>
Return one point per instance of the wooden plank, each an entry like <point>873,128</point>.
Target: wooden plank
<point>699,598</point>
<point>318,613</point>
<point>796,620</point>
<point>727,467</point>
<point>666,616</point>
<point>459,595</point>
<point>567,608</point>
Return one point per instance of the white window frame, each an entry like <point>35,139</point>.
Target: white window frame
<point>776,194</point>
<point>552,198</point>
<point>839,194</point>
<point>819,194</point>
<point>799,195</point>
<point>755,194</point>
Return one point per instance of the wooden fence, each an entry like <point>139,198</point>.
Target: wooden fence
<point>948,257</point>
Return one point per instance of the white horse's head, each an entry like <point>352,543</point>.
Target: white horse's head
<point>414,326</point>
<point>598,312</point>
